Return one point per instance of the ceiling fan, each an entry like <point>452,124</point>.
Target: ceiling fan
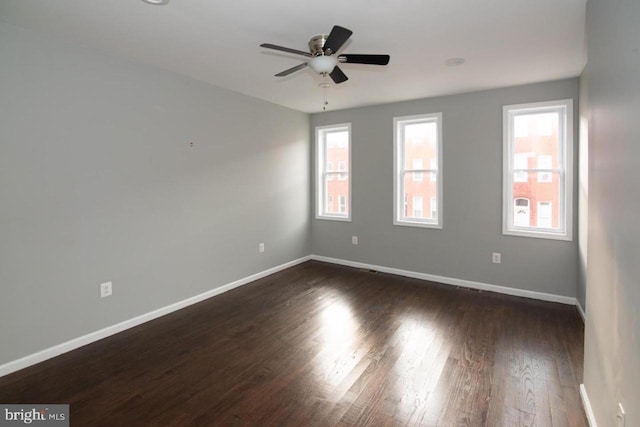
<point>324,61</point>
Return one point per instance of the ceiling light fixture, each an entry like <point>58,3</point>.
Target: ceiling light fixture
<point>157,2</point>
<point>454,62</point>
<point>323,64</point>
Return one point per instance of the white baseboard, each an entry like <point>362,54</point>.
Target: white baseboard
<point>65,347</point>
<point>580,310</point>
<point>452,281</point>
<point>587,406</point>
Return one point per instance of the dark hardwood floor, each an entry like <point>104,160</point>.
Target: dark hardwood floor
<point>324,345</point>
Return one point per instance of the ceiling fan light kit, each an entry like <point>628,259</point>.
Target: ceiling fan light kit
<point>323,64</point>
<point>324,61</point>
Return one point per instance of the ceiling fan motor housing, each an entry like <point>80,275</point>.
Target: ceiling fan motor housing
<point>317,43</point>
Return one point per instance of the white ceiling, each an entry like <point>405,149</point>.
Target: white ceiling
<point>505,42</point>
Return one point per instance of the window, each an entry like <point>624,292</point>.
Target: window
<point>434,208</point>
<point>417,207</point>
<point>545,161</point>
<point>417,165</point>
<point>433,165</point>
<point>538,170</point>
<point>410,157</point>
<point>333,147</point>
<point>544,215</point>
<point>520,165</point>
<point>342,167</point>
<point>342,205</point>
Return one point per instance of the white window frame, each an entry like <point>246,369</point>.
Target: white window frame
<point>320,172</point>
<point>565,170</point>
<point>399,171</point>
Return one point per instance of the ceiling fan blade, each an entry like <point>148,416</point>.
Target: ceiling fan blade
<point>285,49</point>
<point>292,70</point>
<point>355,58</point>
<point>338,76</point>
<point>337,37</point>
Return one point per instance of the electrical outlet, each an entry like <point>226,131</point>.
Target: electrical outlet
<point>106,289</point>
<point>354,240</point>
<point>261,247</point>
<point>496,258</point>
<point>621,416</point>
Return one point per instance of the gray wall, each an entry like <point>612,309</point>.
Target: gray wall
<point>612,330</point>
<point>98,183</point>
<point>472,150</point>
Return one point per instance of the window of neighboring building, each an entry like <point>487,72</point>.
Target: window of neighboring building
<point>538,170</point>
<point>545,162</point>
<point>520,166</point>
<point>417,165</point>
<point>410,158</point>
<point>333,147</point>
<point>406,206</point>
<point>544,215</point>
<point>434,208</point>
<point>417,207</point>
<point>342,167</point>
<point>342,204</point>
<point>433,165</point>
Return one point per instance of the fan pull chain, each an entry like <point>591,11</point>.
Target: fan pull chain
<point>325,88</point>
<point>326,102</point>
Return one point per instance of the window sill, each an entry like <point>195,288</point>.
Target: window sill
<point>538,235</point>
<point>334,218</point>
<point>418,224</point>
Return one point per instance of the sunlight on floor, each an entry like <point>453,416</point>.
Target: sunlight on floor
<point>338,350</point>
<point>338,327</point>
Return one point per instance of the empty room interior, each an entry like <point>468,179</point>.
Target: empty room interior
<point>315,214</point>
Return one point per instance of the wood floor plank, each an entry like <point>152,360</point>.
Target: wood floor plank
<point>324,345</point>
